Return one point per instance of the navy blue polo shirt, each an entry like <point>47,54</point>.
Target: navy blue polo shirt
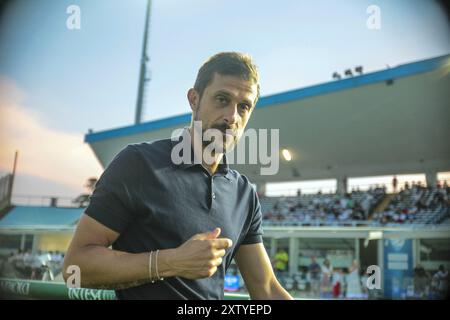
<point>156,204</point>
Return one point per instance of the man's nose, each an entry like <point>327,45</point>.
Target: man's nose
<point>231,114</point>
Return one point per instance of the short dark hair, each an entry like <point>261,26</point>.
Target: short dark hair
<point>227,64</point>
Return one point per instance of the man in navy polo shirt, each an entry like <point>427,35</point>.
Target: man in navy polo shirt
<point>175,226</point>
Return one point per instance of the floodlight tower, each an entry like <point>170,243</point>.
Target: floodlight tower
<point>143,79</point>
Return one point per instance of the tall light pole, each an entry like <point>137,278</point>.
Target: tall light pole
<point>143,70</point>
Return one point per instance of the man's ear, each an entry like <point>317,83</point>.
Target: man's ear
<point>193,99</point>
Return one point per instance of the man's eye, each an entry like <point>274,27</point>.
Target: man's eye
<point>244,106</point>
<point>221,100</point>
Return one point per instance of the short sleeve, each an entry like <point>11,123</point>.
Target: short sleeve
<point>113,202</point>
<point>255,232</point>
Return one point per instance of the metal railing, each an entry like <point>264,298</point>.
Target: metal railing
<point>43,201</point>
<point>318,223</point>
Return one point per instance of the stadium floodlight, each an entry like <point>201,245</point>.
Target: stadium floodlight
<point>144,72</point>
<point>337,76</point>
<point>348,72</point>
<point>373,235</point>
<point>286,154</point>
<point>359,69</point>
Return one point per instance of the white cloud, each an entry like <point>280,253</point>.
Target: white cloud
<point>43,152</point>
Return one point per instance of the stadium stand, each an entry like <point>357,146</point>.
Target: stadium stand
<point>321,209</point>
<point>417,205</point>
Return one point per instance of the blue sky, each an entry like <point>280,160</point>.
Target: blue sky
<point>72,80</point>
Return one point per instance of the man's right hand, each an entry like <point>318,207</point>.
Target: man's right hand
<point>199,256</point>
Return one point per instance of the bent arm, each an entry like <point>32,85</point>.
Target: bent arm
<point>254,265</point>
<point>102,267</point>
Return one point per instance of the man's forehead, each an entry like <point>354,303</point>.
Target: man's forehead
<point>235,85</point>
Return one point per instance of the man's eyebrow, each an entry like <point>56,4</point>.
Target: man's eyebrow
<point>225,93</point>
<point>228,94</point>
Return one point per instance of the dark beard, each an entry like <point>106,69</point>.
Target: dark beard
<point>222,127</point>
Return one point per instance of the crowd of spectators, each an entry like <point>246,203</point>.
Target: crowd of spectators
<point>357,205</point>
<point>39,265</point>
<point>413,200</point>
<point>431,285</point>
<point>320,279</point>
<point>404,207</point>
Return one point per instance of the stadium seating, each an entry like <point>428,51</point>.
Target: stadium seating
<point>321,209</point>
<point>418,205</point>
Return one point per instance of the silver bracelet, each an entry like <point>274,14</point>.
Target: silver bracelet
<point>150,268</point>
<point>156,266</point>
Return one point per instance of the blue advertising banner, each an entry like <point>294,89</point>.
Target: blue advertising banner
<point>398,267</point>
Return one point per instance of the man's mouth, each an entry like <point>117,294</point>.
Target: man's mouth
<point>225,130</point>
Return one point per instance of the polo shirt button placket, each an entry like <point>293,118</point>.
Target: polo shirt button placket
<point>213,194</point>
